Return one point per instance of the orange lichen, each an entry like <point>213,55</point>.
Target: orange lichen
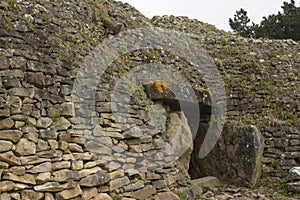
<point>161,86</point>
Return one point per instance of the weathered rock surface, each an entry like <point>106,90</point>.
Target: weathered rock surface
<point>69,194</point>
<point>238,154</point>
<point>5,146</point>
<point>100,178</point>
<point>10,158</point>
<point>11,135</point>
<point>70,130</point>
<point>167,195</point>
<point>54,187</point>
<point>25,147</point>
<point>118,183</point>
<point>6,186</point>
<point>181,139</point>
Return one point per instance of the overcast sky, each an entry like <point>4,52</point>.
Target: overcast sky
<point>216,12</point>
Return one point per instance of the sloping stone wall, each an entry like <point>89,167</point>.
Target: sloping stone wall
<point>45,153</point>
<point>262,86</point>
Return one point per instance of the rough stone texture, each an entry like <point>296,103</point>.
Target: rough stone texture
<point>89,193</point>
<point>180,137</point>
<point>118,183</point>
<point>208,181</point>
<point>54,132</point>
<point>30,194</point>
<point>167,195</point>
<point>6,186</point>
<point>27,178</point>
<point>144,193</point>
<point>54,187</point>
<point>6,124</point>
<point>293,184</point>
<point>10,158</point>
<point>237,155</point>
<point>103,196</point>
<point>100,178</point>
<point>11,135</point>
<point>44,167</point>
<point>5,146</point>
<point>68,194</point>
<point>293,187</point>
<point>25,147</point>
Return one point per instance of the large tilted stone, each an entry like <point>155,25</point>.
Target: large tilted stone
<point>11,135</point>
<point>100,178</point>
<point>54,187</point>
<point>237,155</point>
<point>180,137</point>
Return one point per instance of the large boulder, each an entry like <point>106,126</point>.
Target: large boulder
<point>180,136</point>
<point>237,157</point>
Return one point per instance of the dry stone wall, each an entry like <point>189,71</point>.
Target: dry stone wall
<point>45,153</point>
<point>262,86</point>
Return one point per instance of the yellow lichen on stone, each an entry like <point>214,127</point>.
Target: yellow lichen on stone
<point>161,86</point>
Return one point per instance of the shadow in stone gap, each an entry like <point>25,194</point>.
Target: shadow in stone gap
<point>237,156</point>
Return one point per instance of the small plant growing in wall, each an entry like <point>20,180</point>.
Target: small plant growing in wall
<point>165,135</point>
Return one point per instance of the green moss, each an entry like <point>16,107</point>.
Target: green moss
<point>117,197</point>
<point>165,135</point>
<point>273,54</point>
<point>205,189</point>
<point>182,196</point>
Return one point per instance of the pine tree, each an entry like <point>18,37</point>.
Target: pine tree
<point>285,25</point>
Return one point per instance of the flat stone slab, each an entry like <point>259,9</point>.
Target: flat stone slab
<point>172,93</point>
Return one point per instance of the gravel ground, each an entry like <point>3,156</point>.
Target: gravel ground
<point>240,193</point>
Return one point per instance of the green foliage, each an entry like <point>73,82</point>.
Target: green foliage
<point>12,3</point>
<point>283,25</point>
<point>239,24</point>
<point>278,185</point>
<point>117,197</point>
<point>167,126</point>
<point>205,189</point>
<point>182,196</point>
